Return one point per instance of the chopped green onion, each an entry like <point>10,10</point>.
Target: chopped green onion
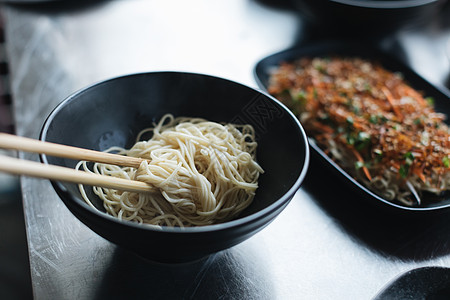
<point>362,136</point>
<point>362,140</point>
<point>315,94</point>
<point>409,158</point>
<point>300,96</point>
<point>350,139</point>
<point>359,165</point>
<point>404,169</point>
<point>373,119</point>
<point>446,161</point>
<point>349,120</point>
<point>319,66</point>
<point>379,155</point>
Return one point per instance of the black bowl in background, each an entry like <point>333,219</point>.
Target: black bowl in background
<point>367,18</point>
<point>114,111</point>
<point>429,282</point>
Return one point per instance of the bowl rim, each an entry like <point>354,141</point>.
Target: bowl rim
<point>385,4</point>
<point>80,203</point>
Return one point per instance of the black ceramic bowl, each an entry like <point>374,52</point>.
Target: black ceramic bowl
<point>114,111</point>
<point>368,18</point>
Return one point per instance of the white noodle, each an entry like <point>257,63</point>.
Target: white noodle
<point>204,173</point>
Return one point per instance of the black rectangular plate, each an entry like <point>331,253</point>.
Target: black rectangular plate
<point>441,96</point>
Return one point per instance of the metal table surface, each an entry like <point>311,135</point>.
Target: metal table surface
<point>322,246</point>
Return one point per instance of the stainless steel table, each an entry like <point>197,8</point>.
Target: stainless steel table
<point>323,246</point>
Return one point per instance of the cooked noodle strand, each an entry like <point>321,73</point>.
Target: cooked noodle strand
<point>202,173</point>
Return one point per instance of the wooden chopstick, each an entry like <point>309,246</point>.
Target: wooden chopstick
<point>35,169</point>
<point>9,141</point>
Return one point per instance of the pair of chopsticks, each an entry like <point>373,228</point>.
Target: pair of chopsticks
<point>35,169</point>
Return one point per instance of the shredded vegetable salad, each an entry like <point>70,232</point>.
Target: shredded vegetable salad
<point>372,123</point>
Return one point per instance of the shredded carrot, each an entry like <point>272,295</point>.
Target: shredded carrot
<point>361,160</point>
<point>407,90</point>
<point>420,174</point>
<point>390,99</point>
<point>323,127</point>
